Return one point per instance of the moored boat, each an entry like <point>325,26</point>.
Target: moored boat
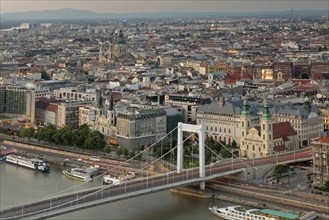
<point>109,180</point>
<point>78,173</point>
<point>247,213</point>
<point>35,164</point>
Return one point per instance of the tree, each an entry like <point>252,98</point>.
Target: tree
<point>125,152</point>
<point>48,133</point>
<point>80,134</point>
<point>234,144</point>
<point>27,133</point>
<point>225,153</point>
<point>279,170</point>
<point>119,152</point>
<point>95,140</point>
<point>107,149</point>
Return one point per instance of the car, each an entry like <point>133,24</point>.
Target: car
<point>95,158</point>
<point>79,159</point>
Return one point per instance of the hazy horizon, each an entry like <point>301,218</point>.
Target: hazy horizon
<point>137,6</point>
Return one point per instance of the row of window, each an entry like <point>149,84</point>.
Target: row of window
<point>220,129</point>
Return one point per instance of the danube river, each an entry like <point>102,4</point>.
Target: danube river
<point>21,185</point>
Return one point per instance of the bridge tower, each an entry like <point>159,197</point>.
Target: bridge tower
<point>191,128</point>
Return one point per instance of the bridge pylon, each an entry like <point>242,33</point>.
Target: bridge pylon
<point>191,128</point>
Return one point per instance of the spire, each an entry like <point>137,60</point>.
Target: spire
<point>111,102</point>
<point>266,111</point>
<point>245,109</point>
<point>100,101</point>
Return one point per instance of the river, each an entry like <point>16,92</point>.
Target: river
<point>19,184</point>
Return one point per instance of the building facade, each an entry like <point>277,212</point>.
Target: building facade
<point>68,113</point>
<point>74,95</point>
<point>140,128</point>
<point>17,101</point>
<point>222,121</point>
<point>188,103</point>
<point>266,139</point>
<point>235,121</point>
<point>320,155</point>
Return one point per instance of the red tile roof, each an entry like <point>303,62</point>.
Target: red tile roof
<point>281,130</point>
<point>230,81</point>
<point>301,81</point>
<point>279,148</point>
<point>325,139</point>
<point>304,88</point>
<point>52,108</point>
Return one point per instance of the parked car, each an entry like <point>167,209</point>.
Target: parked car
<point>95,158</point>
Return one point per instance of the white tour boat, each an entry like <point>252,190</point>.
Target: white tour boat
<point>78,173</point>
<point>33,163</point>
<point>247,213</point>
<point>108,180</point>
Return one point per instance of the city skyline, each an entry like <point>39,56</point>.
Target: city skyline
<point>137,6</point>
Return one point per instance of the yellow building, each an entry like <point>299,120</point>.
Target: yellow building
<point>267,139</point>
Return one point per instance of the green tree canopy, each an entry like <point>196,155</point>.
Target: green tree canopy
<point>95,140</point>
<point>280,169</point>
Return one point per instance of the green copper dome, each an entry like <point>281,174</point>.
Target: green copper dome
<point>266,112</point>
<point>245,109</point>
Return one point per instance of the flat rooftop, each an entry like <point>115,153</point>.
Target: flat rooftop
<point>279,214</point>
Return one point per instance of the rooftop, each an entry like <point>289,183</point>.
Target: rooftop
<point>279,214</point>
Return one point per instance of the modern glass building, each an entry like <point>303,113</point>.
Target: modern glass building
<point>17,101</point>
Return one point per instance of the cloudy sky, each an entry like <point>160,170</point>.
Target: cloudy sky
<point>127,6</point>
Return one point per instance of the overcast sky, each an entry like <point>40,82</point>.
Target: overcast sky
<point>127,6</point>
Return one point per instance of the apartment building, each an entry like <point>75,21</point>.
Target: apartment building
<point>320,156</point>
<point>190,105</point>
<point>73,94</point>
<point>68,113</point>
<point>137,128</point>
<point>17,101</point>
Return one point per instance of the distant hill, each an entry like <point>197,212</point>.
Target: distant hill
<point>67,13</point>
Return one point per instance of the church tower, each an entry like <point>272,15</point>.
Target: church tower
<point>245,123</point>
<point>111,115</point>
<point>267,131</point>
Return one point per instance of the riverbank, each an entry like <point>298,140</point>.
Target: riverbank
<point>253,199</point>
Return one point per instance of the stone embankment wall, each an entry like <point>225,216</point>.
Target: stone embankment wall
<point>276,199</point>
<point>43,148</point>
<point>68,153</point>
